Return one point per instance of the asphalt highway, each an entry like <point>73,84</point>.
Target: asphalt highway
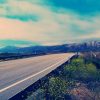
<point>16,75</point>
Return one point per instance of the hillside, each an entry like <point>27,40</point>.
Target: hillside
<point>11,52</point>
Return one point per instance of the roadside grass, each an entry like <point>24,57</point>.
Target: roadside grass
<point>78,75</point>
<point>78,69</point>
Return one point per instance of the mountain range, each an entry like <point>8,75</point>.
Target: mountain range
<point>12,52</point>
<point>74,47</point>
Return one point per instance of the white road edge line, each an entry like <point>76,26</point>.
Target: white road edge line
<point>8,87</point>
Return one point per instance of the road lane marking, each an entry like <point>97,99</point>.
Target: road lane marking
<point>8,87</point>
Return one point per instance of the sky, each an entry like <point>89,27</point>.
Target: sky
<point>48,22</point>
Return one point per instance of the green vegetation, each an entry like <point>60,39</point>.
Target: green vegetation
<point>76,79</point>
<point>80,70</point>
<point>57,87</point>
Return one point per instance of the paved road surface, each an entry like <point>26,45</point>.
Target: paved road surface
<point>16,75</point>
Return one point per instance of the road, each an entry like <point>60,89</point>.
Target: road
<point>16,75</point>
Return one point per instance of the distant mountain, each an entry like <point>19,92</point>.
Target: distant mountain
<point>75,47</point>
<point>12,52</point>
<point>34,49</point>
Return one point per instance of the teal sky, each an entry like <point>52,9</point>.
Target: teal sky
<point>48,22</point>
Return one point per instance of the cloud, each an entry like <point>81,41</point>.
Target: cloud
<point>16,9</point>
<point>37,22</point>
<point>15,29</point>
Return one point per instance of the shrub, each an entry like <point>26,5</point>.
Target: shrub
<point>80,70</point>
<point>57,87</point>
